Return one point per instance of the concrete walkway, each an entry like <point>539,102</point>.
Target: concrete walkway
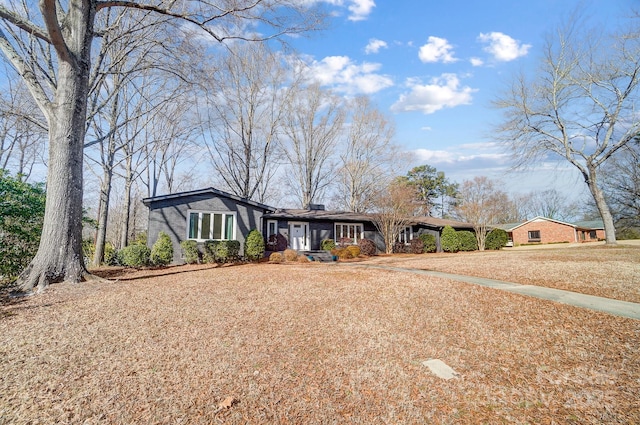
<point>607,305</point>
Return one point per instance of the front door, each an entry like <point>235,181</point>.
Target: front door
<point>298,233</point>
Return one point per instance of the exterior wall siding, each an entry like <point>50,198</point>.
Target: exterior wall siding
<point>170,216</point>
<point>550,232</point>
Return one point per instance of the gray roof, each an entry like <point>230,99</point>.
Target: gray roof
<point>590,224</point>
<point>316,214</point>
<point>441,222</point>
<point>208,190</point>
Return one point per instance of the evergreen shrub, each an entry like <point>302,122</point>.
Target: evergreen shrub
<point>162,250</point>
<point>327,244</point>
<point>449,240</point>
<point>429,242</point>
<point>136,255</point>
<point>467,240</point>
<point>254,246</point>
<point>190,251</point>
<point>496,239</point>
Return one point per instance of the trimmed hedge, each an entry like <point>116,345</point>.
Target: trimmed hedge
<point>449,240</point>
<point>467,240</point>
<point>221,251</point>
<point>429,242</point>
<point>254,246</point>
<point>496,239</point>
<point>190,251</point>
<point>136,255</point>
<point>162,250</point>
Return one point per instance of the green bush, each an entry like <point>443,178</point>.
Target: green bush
<point>221,251</point>
<point>416,246</point>
<point>111,257</point>
<point>327,244</point>
<point>136,255</point>
<point>429,242</point>
<point>254,246</point>
<point>467,240</point>
<point>162,250</point>
<point>449,240</point>
<point>88,249</point>
<point>190,251</point>
<point>496,239</point>
<point>21,217</point>
<point>367,247</point>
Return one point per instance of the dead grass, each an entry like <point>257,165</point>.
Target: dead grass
<point>611,272</point>
<point>310,343</point>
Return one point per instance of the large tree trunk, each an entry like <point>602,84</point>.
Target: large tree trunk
<point>603,207</point>
<point>59,257</point>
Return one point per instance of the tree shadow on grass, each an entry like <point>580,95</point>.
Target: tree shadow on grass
<point>122,274</point>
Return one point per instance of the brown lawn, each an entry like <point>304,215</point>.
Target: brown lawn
<point>313,343</point>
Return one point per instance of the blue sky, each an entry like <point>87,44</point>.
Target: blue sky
<point>435,67</point>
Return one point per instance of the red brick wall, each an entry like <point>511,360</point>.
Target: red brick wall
<point>550,232</point>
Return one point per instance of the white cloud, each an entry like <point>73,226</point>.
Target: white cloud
<point>436,50</point>
<point>441,92</point>
<point>343,75</point>
<point>360,9</point>
<point>426,128</point>
<point>502,47</point>
<point>374,46</point>
<point>476,62</point>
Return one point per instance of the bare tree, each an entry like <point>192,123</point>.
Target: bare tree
<point>581,106</point>
<point>51,50</point>
<point>483,204</point>
<point>22,131</point>
<point>622,184</point>
<point>313,124</point>
<point>393,211</point>
<point>368,158</point>
<point>548,203</point>
<point>245,106</point>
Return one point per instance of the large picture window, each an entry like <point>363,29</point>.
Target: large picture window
<point>205,225</point>
<point>353,232</point>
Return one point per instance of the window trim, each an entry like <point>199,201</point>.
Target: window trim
<point>356,237</point>
<point>531,237</point>
<point>269,223</point>
<point>224,214</point>
<point>404,232</point>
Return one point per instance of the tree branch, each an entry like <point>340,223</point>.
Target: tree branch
<point>23,24</point>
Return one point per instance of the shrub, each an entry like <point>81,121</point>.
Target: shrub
<point>467,241</point>
<point>496,239</point>
<point>162,250</point>
<point>277,242</point>
<point>354,250</point>
<point>416,246</point>
<point>227,251</point>
<point>327,244</point>
<point>136,255</point>
<point>88,249</point>
<point>303,259</point>
<point>399,248</point>
<point>367,247</point>
<point>290,255</point>
<point>254,246</point>
<point>449,240</point>
<point>111,256</point>
<point>276,257</point>
<point>209,255</point>
<point>344,254</point>
<point>21,217</point>
<point>190,251</point>
<point>429,242</point>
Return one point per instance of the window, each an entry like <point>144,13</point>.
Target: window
<point>204,225</point>
<point>534,235</point>
<point>405,235</point>
<point>353,232</point>
<point>272,228</point>
<point>593,234</point>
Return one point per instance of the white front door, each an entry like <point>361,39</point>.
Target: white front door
<point>298,233</point>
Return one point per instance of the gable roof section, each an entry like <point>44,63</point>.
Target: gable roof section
<point>298,214</point>
<point>205,191</point>
<point>593,224</point>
